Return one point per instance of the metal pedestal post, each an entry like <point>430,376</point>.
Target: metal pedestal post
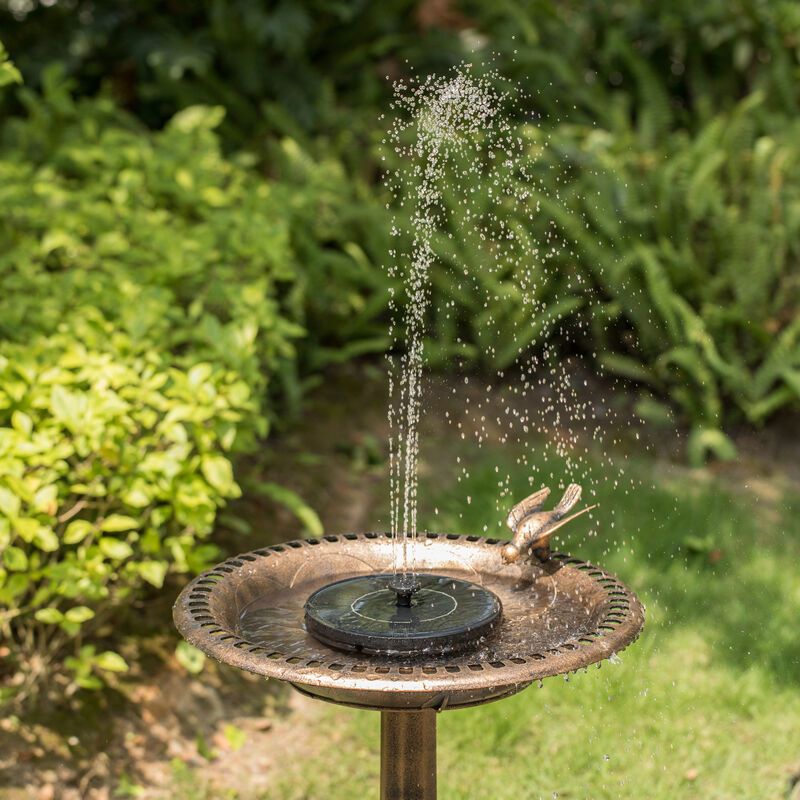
<point>408,755</point>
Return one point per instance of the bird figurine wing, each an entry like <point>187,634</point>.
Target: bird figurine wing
<point>529,505</point>
<point>571,496</point>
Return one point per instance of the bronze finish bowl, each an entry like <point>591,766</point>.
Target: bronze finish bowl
<point>558,616</point>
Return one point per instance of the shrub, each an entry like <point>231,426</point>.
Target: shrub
<point>9,74</point>
<point>113,465</point>
<point>692,245</point>
<point>186,250</point>
<point>321,65</point>
<point>154,299</point>
<point>666,65</point>
<point>636,99</point>
<point>677,260</point>
<point>674,127</point>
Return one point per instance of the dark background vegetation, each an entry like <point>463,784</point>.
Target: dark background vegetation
<point>193,227</point>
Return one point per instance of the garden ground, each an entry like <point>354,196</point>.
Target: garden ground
<point>704,705</point>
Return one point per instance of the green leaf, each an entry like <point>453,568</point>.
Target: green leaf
<point>206,752</point>
<point>27,528</point>
<point>77,531</point>
<point>68,407</point>
<point>9,502</point>
<point>44,499</point>
<point>115,549</point>
<point>110,661</point>
<point>79,614</point>
<point>194,118</point>
<point>190,658</point>
<point>657,414</point>
<point>626,367</point>
<point>218,471</point>
<point>89,682</point>
<point>699,545</point>
<point>15,585</point>
<point>115,523</point>
<point>153,572</point>
<point>8,72</point>
<point>199,374</point>
<point>708,440</point>
<point>51,616</point>
<point>22,422</point>
<point>127,787</point>
<point>72,628</point>
<point>45,539</point>
<point>137,496</point>
<point>15,559</point>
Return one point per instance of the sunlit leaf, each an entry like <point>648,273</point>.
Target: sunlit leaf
<point>110,661</point>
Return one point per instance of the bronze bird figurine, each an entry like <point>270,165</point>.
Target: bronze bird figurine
<point>532,527</point>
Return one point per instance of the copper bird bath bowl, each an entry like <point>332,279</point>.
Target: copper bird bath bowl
<point>559,614</point>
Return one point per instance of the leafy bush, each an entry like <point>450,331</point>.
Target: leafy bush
<point>680,260</point>
<point>693,245</point>
<point>187,249</point>
<point>674,127</point>
<point>664,177</point>
<point>113,465</point>
<point>339,239</point>
<point>621,89</point>
<point>154,302</point>
<point>318,64</point>
<point>181,247</point>
<point>9,74</point>
<point>666,65</point>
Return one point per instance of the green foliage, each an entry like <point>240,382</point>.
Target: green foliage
<point>261,59</point>
<point>676,261</point>
<point>181,247</point>
<point>674,198</point>
<point>665,64</point>
<point>494,296</point>
<point>155,295</point>
<point>704,270</point>
<point>661,230</point>
<point>190,658</point>
<point>292,501</point>
<point>339,238</point>
<point>674,127</point>
<point>88,665</point>
<point>235,737</point>
<point>8,72</point>
<point>105,486</point>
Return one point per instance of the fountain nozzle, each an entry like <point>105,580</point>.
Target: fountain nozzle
<point>404,586</point>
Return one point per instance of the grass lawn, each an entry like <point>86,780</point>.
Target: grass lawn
<point>705,705</point>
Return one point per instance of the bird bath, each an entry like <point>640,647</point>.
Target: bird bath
<point>411,623</point>
<point>559,614</point>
